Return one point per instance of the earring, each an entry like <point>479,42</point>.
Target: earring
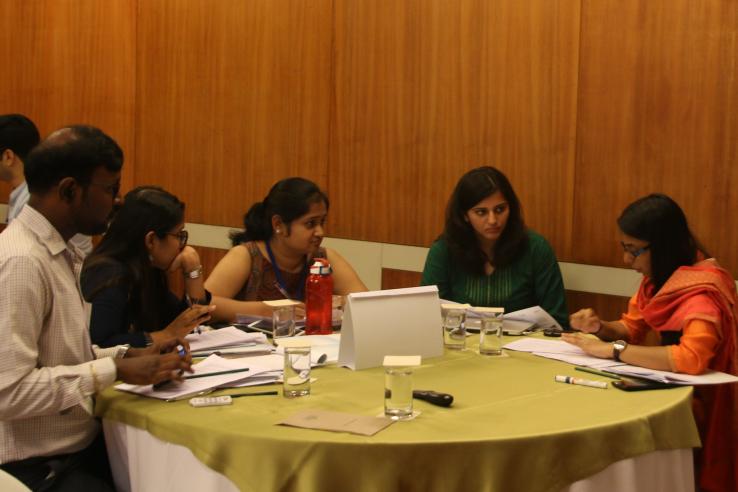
<point>278,231</point>
<point>151,259</point>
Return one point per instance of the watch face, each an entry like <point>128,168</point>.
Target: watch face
<point>619,345</point>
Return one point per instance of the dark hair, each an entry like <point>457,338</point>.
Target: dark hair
<point>146,208</point>
<point>289,198</point>
<point>472,188</point>
<point>18,134</point>
<point>75,152</point>
<point>658,220</point>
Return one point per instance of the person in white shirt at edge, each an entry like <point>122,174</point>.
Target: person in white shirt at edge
<point>18,135</point>
<point>49,371</point>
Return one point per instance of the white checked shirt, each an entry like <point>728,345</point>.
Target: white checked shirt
<point>47,376</point>
<point>20,196</point>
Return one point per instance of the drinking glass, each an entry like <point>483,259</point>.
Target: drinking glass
<point>296,371</point>
<point>454,330</point>
<point>490,331</point>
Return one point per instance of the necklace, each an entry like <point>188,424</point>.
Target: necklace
<point>280,282</point>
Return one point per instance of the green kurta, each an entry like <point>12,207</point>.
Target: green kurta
<point>534,279</point>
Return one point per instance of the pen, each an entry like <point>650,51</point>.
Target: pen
<point>261,393</point>
<point>581,382</point>
<point>281,290</point>
<point>599,373</point>
<point>217,373</point>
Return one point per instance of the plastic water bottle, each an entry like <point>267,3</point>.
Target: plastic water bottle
<point>319,299</point>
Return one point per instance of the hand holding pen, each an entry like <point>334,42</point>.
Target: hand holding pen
<point>157,363</point>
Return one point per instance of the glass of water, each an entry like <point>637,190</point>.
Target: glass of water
<point>490,331</point>
<point>398,392</point>
<point>454,329</point>
<point>296,371</point>
<point>283,322</point>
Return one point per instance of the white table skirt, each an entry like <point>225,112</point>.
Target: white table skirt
<point>143,463</point>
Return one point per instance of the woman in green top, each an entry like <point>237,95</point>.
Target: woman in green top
<point>487,257</point>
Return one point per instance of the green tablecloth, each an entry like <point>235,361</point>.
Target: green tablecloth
<point>511,428</point>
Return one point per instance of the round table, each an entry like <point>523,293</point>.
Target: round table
<point>511,427</point>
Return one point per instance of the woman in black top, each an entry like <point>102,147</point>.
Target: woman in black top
<point>125,276</point>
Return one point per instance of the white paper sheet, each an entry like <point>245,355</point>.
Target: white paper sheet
<point>566,352</point>
<point>710,377</point>
<point>323,348</point>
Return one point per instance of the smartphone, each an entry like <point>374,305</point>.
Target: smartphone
<point>552,332</point>
<point>641,384</point>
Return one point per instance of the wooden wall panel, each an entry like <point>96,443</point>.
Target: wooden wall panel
<point>607,307</point>
<point>232,96</point>
<point>657,113</point>
<point>71,61</point>
<point>427,89</point>
<point>398,279</point>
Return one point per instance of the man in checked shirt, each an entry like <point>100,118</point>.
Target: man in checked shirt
<point>49,371</point>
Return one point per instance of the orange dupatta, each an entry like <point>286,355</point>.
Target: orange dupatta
<point>705,291</point>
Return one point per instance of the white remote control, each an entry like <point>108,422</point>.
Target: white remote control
<point>211,401</point>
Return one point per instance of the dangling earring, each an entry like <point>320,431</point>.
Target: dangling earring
<point>278,231</point>
<point>151,258</point>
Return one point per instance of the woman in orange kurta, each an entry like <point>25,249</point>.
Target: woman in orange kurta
<point>682,319</point>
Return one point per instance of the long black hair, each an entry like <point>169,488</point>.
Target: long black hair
<point>472,188</point>
<point>145,209</point>
<point>289,198</point>
<point>658,220</point>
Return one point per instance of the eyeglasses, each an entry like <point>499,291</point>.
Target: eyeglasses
<point>635,253</point>
<point>181,235</point>
<point>112,189</point>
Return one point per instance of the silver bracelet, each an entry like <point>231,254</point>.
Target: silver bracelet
<point>196,273</point>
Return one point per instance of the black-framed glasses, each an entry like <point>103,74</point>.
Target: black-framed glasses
<point>181,235</point>
<point>112,189</point>
<point>635,253</point>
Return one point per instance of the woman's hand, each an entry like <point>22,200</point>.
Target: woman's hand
<point>187,260</point>
<point>585,320</point>
<point>183,324</point>
<point>592,346</point>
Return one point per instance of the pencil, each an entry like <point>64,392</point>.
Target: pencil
<point>599,373</point>
<point>217,373</point>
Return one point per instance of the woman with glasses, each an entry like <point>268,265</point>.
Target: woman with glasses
<point>682,319</point>
<point>486,255</point>
<point>125,277</point>
<point>271,256</point>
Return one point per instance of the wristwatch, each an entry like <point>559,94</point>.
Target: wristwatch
<point>617,348</point>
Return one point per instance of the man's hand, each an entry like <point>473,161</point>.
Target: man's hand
<point>153,368</point>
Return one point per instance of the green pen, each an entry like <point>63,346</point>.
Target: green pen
<point>599,373</point>
<point>218,373</point>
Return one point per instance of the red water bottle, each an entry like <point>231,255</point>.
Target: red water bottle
<point>319,299</point>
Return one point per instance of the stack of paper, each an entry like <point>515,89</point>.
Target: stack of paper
<point>227,341</point>
<point>246,369</point>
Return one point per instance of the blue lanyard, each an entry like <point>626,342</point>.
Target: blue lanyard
<point>300,287</point>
